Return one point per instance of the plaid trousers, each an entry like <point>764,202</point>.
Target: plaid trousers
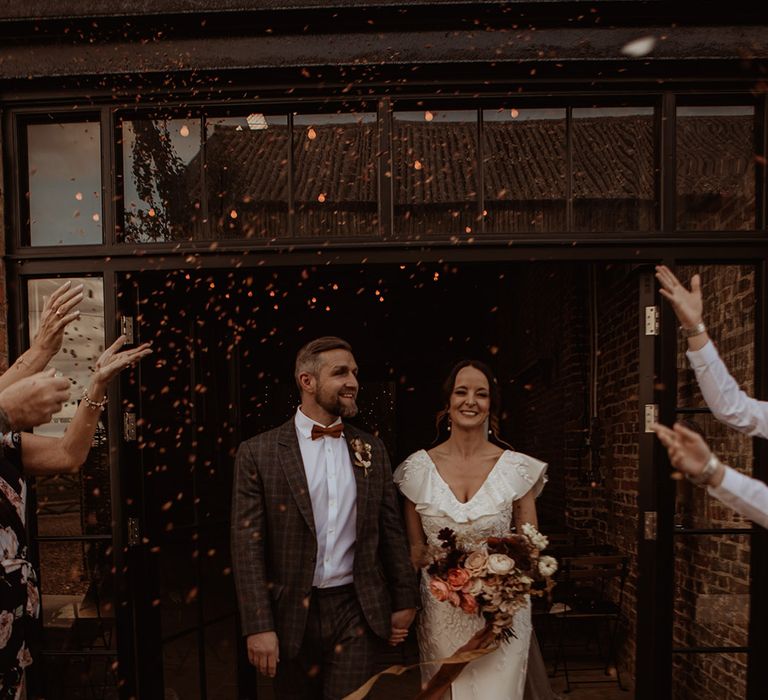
<point>338,652</point>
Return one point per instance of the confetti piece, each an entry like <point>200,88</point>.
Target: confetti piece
<point>639,47</point>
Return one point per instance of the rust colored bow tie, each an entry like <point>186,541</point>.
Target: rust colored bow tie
<point>334,431</point>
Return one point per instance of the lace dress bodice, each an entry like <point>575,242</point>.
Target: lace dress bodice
<point>443,628</point>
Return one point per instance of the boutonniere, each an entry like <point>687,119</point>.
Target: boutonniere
<point>362,452</point>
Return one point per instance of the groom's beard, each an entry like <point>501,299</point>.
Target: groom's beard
<point>335,405</point>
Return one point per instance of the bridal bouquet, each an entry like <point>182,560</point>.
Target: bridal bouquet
<point>493,577</point>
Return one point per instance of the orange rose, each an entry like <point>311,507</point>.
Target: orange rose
<point>457,578</point>
<point>468,603</point>
<point>439,589</point>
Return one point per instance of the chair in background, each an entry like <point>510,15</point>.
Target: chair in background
<point>591,593</point>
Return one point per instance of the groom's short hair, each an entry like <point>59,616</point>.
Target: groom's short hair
<point>308,358</point>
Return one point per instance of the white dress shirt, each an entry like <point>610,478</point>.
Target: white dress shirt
<point>745,495</point>
<point>730,405</point>
<point>333,492</point>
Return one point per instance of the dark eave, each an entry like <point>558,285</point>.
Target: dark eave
<point>689,44</point>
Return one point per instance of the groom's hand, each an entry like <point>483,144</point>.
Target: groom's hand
<point>401,621</point>
<point>264,652</point>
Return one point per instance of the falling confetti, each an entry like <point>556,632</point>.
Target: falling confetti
<point>639,47</point>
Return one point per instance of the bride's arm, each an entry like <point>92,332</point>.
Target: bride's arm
<point>525,511</point>
<point>416,538</point>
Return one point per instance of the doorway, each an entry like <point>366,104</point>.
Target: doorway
<point>564,339</point>
<point>225,345</point>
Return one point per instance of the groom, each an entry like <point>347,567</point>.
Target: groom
<point>319,553</point>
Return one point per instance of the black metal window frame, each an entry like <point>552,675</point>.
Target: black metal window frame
<point>664,106</point>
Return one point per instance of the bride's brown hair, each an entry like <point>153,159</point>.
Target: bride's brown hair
<point>494,390</point>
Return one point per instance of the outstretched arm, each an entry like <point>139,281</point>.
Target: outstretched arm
<point>728,403</point>
<point>48,455</point>
<point>689,454</point>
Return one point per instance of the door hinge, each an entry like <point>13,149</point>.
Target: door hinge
<point>126,329</point>
<point>649,525</point>
<point>651,320</point>
<point>129,427</point>
<point>134,535</point>
<point>651,416</point>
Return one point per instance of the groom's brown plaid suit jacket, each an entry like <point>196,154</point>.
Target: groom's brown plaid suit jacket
<point>274,546</point>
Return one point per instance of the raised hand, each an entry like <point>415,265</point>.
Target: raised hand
<point>58,312</point>
<point>687,303</point>
<point>112,362</point>
<point>687,450</point>
<point>33,401</point>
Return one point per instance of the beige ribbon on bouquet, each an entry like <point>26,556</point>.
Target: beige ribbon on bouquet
<point>463,657</point>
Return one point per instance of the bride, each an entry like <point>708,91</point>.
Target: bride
<point>475,487</point>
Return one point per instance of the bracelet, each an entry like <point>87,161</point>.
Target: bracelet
<point>95,405</point>
<point>703,477</point>
<point>698,329</point>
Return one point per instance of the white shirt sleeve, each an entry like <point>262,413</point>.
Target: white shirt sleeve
<point>745,495</point>
<point>728,403</point>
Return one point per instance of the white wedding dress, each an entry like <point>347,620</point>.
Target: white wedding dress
<point>442,628</point>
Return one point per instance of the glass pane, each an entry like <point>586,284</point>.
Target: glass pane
<point>715,168</point>
<point>709,676</point>
<point>435,162</point>
<point>177,561</point>
<point>246,175</point>
<point>221,640</point>
<point>80,677</point>
<point>524,170</point>
<point>334,162</point>
<point>64,183</point>
<point>613,172</point>
<point>729,301</point>
<point>711,609</point>
<point>162,180</point>
<point>75,504</point>
<point>181,668</point>
<point>216,581</point>
<point>77,586</point>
